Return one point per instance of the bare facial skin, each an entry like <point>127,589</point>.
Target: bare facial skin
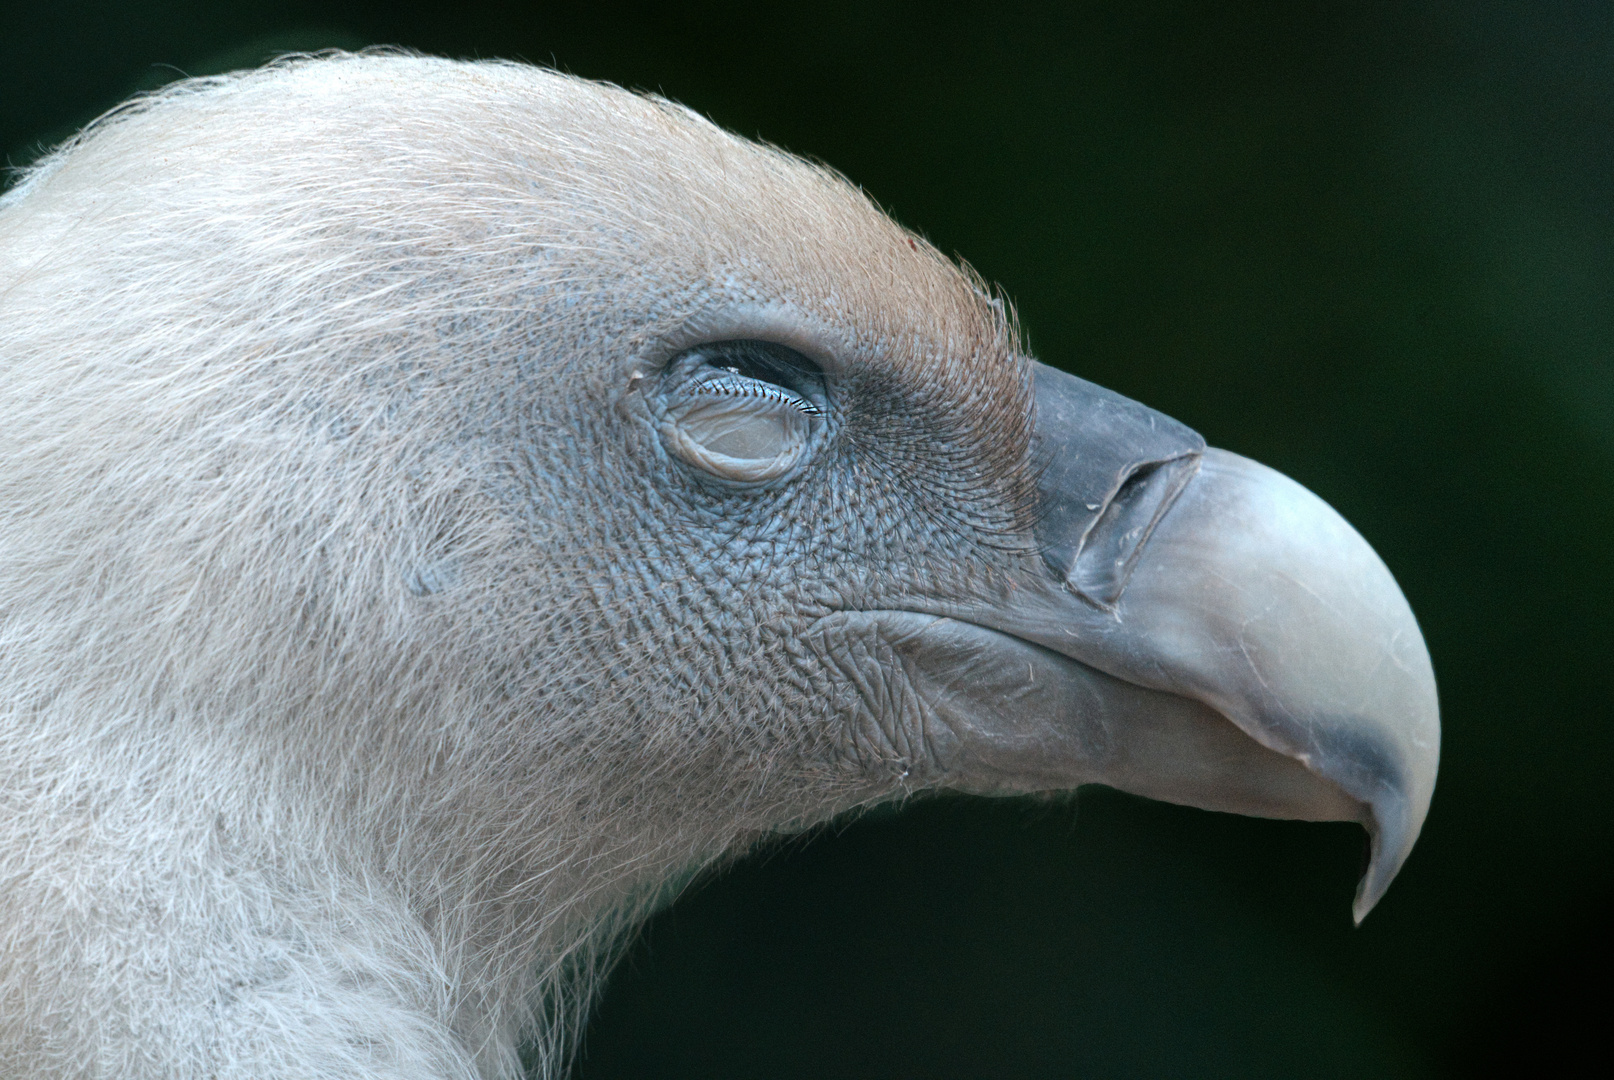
<point>446,505</point>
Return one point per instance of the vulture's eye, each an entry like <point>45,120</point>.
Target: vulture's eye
<point>745,411</point>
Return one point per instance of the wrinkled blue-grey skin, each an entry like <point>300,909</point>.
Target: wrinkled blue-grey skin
<point>1264,662</point>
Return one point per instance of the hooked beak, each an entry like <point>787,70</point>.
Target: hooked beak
<point>1210,633</point>
<point>1257,599</point>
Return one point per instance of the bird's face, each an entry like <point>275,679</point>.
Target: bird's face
<point>688,493</point>
<point>845,540</point>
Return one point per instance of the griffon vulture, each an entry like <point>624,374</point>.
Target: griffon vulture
<point>442,505</point>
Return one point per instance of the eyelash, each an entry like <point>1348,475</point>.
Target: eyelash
<point>736,385</point>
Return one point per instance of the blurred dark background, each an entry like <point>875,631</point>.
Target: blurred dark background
<point>1370,244</point>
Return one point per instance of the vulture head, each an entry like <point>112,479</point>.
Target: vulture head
<point>446,504</point>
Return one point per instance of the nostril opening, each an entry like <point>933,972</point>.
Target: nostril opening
<point>1110,548</point>
<point>1133,485</point>
<point>1090,448</point>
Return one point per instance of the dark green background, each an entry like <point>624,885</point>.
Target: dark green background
<point>1367,243</point>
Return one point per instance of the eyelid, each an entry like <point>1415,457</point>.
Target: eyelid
<point>828,347</point>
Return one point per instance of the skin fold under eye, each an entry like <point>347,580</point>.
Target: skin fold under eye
<point>745,411</point>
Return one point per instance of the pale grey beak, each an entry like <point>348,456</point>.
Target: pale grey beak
<point>1234,586</point>
<point>1257,599</point>
<point>1211,634</point>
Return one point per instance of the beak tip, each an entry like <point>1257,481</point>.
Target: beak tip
<point>1363,903</point>
<point>1393,825</point>
<point>1371,889</point>
<point>1374,884</point>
